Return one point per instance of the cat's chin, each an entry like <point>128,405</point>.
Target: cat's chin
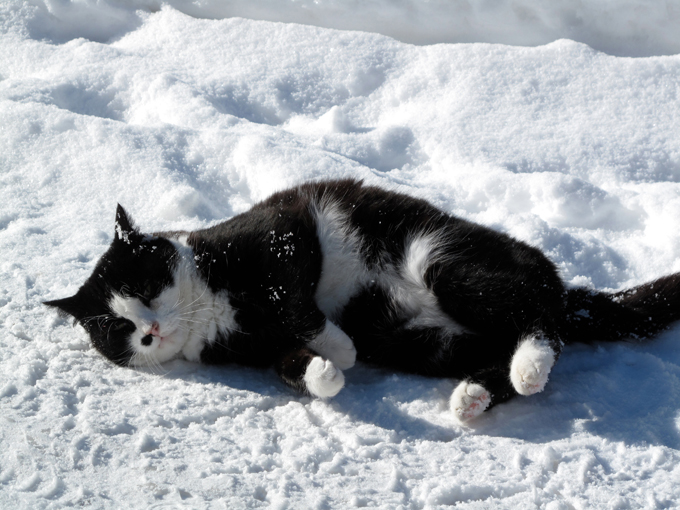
<point>162,350</point>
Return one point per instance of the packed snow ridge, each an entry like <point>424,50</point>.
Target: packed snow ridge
<point>631,27</point>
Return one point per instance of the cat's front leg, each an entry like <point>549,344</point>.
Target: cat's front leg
<point>332,343</point>
<point>307,372</point>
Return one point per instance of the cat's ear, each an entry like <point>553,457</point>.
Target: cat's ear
<point>124,225</point>
<point>72,306</point>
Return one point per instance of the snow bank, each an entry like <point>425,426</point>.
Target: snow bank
<point>188,121</point>
<point>618,27</point>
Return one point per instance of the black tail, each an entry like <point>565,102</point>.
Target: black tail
<point>637,313</point>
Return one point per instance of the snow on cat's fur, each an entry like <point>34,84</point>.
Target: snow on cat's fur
<point>320,274</point>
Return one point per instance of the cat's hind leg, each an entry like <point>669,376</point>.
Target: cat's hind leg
<point>531,364</point>
<point>480,391</point>
<point>525,373</point>
<point>307,372</point>
<point>332,343</point>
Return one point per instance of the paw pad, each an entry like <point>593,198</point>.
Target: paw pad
<point>469,400</point>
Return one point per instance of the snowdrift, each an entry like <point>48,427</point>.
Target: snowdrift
<point>187,115</point>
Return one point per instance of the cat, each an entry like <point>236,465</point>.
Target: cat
<point>322,274</point>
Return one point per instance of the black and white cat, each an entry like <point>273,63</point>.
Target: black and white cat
<point>314,272</point>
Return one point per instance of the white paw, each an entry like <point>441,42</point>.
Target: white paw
<point>332,343</point>
<point>343,355</point>
<point>531,365</point>
<point>469,400</point>
<point>322,378</point>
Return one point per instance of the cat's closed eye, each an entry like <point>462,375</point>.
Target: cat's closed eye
<point>120,325</point>
<point>148,290</point>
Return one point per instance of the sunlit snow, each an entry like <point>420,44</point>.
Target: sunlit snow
<point>566,135</point>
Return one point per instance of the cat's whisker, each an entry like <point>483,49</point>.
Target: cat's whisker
<point>133,355</point>
<point>193,312</point>
<point>195,321</point>
<point>87,320</point>
<point>154,364</point>
<point>205,288</point>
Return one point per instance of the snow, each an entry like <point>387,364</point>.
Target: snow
<point>187,115</point>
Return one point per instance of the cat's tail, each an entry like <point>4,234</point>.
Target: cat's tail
<point>637,313</point>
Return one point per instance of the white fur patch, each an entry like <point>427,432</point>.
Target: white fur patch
<point>332,343</point>
<point>531,365</point>
<point>322,378</point>
<point>342,272</point>
<point>408,287</point>
<point>188,315</point>
<point>469,400</point>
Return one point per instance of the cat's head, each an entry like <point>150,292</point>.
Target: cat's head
<point>131,305</point>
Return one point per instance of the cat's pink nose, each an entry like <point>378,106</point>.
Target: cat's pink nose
<point>155,329</point>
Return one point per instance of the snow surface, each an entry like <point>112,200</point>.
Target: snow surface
<point>187,121</point>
